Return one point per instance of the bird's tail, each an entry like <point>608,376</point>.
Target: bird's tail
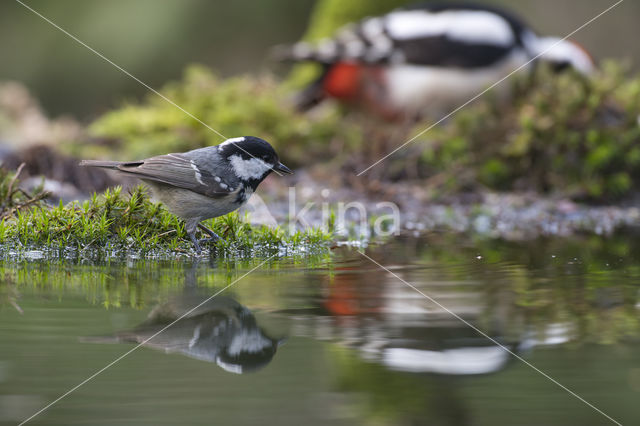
<point>101,164</point>
<point>108,164</point>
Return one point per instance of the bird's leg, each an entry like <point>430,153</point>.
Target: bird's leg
<point>191,227</point>
<point>212,235</point>
<point>194,240</point>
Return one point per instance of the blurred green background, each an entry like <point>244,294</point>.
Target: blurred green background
<point>155,39</point>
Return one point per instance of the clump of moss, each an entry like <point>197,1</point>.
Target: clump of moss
<point>235,107</point>
<point>116,223</point>
<point>559,133</point>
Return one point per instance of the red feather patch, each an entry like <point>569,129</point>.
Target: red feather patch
<point>343,80</point>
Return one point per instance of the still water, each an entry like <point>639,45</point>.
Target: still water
<point>332,339</point>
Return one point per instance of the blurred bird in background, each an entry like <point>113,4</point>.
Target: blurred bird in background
<point>427,58</point>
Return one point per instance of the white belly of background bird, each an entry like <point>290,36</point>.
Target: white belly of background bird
<point>439,90</point>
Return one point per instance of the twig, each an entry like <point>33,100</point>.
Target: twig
<point>25,193</point>
<point>166,233</point>
<point>27,203</point>
<point>13,180</point>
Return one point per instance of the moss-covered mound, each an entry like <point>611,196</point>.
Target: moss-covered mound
<point>115,223</point>
<point>559,133</point>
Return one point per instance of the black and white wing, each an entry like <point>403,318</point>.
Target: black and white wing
<point>177,170</point>
<point>432,35</point>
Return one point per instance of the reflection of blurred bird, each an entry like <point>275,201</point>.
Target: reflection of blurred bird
<point>206,182</point>
<point>221,331</point>
<point>430,57</point>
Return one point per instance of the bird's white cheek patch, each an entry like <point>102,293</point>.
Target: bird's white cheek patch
<point>253,168</point>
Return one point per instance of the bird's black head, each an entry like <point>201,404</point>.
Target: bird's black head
<point>251,158</point>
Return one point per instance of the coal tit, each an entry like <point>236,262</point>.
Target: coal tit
<point>206,182</point>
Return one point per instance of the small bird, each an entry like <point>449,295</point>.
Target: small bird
<point>206,182</point>
<point>430,57</point>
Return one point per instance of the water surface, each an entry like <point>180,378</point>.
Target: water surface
<point>331,340</point>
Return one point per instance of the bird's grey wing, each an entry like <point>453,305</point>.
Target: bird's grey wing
<point>178,170</point>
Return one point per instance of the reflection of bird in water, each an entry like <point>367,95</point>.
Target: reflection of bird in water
<point>221,331</point>
<point>427,58</point>
<point>389,323</point>
<point>404,345</point>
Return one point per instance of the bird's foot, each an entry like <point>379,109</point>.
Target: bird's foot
<point>196,245</point>
<point>208,240</point>
<point>213,235</point>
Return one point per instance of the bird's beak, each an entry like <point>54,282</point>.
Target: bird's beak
<point>282,168</point>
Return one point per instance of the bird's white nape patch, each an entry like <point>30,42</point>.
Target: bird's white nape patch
<point>230,141</point>
<point>475,27</point>
<point>197,172</point>
<point>253,168</point>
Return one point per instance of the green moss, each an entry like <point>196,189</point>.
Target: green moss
<point>117,224</point>
<point>559,133</point>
